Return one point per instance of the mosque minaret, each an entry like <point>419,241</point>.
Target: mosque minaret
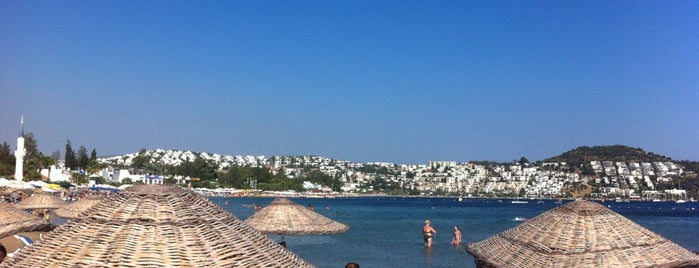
<point>20,153</point>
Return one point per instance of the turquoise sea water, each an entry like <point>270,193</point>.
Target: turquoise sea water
<point>387,231</point>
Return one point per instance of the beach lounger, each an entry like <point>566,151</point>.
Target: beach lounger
<point>25,240</point>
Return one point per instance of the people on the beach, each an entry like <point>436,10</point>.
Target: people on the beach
<point>427,232</point>
<point>457,236</point>
<point>351,265</point>
<point>311,207</point>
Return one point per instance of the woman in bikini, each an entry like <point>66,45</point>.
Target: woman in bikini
<point>427,232</point>
<point>457,236</point>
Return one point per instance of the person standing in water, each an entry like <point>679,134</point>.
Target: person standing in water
<point>457,236</point>
<point>427,232</point>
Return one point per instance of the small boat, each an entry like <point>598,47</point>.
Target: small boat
<point>680,201</point>
<point>520,219</point>
<point>461,198</point>
<point>518,201</point>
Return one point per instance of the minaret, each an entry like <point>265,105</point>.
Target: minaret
<point>20,153</point>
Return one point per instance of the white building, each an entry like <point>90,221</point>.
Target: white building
<point>56,174</point>
<point>119,175</point>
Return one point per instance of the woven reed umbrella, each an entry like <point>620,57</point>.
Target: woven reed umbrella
<point>74,209</point>
<point>41,200</point>
<point>580,234</point>
<point>14,220</point>
<point>284,217</point>
<point>156,226</point>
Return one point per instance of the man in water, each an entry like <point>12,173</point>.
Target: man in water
<point>427,232</point>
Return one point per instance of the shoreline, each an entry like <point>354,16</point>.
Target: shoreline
<point>332,196</point>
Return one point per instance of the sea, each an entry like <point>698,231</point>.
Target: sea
<point>387,231</point>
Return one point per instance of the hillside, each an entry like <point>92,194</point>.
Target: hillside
<point>620,153</point>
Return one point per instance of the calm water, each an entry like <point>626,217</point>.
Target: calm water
<point>387,231</point>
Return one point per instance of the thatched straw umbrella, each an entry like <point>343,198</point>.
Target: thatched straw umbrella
<point>156,226</point>
<point>13,221</point>
<point>41,200</point>
<point>74,209</point>
<point>580,234</point>
<point>284,217</point>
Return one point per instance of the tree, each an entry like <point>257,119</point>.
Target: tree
<point>140,160</point>
<point>93,155</point>
<point>78,178</point>
<point>7,160</point>
<point>34,160</point>
<point>523,160</point>
<point>82,157</point>
<point>70,161</point>
<point>56,155</point>
<point>93,167</point>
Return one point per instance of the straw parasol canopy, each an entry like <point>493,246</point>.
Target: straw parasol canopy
<point>41,200</point>
<point>155,226</point>
<point>284,217</point>
<point>74,209</point>
<point>13,221</point>
<point>580,234</point>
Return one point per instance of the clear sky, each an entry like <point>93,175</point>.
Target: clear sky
<point>391,81</point>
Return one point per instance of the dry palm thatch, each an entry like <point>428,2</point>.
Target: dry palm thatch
<point>74,209</point>
<point>284,217</point>
<point>41,200</point>
<point>13,220</point>
<point>580,234</point>
<point>156,226</point>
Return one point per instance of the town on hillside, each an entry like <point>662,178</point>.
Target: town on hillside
<point>625,180</point>
<point>641,178</point>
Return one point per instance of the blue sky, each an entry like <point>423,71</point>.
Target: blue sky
<point>392,81</point>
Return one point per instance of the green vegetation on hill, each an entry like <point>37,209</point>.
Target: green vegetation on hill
<point>608,153</point>
<point>579,158</point>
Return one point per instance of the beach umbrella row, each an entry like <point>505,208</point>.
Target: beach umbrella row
<point>580,234</point>
<point>156,226</point>
<point>72,210</point>
<point>41,200</point>
<point>14,220</point>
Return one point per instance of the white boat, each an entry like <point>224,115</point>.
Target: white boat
<point>680,201</point>
<point>518,201</point>
<point>461,198</point>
